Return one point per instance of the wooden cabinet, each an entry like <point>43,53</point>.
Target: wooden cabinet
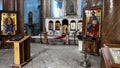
<point>21,51</point>
<point>92,46</point>
<point>92,28</point>
<point>110,57</point>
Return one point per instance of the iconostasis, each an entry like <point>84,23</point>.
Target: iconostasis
<point>63,26</point>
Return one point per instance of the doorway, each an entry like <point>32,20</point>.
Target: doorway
<point>64,26</point>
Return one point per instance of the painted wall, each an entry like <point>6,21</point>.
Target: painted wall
<point>32,6</point>
<point>80,7</point>
<point>1,5</point>
<point>58,9</point>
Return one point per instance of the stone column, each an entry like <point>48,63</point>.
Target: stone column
<point>20,15</point>
<point>48,8</point>
<point>43,4</point>
<point>8,5</point>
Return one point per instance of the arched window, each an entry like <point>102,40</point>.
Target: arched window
<point>65,26</point>
<point>30,17</point>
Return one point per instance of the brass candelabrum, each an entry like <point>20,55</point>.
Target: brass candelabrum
<point>85,62</point>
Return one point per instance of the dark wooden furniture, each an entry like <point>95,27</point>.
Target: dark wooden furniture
<point>21,51</point>
<point>92,46</point>
<point>3,42</point>
<point>92,18</point>
<point>109,57</point>
<point>3,39</point>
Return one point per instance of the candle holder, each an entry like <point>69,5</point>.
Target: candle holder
<point>85,62</point>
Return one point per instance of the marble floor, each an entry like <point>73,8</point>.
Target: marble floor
<point>51,56</point>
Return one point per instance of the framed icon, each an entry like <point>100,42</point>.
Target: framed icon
<point>72,25</point>
<point>8,23</point>
<point>57,25</point>
<point>93,17</point>
<point>71,7</point>
<point>50,25</point>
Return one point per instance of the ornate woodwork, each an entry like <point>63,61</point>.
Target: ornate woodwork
<point>111,22</point>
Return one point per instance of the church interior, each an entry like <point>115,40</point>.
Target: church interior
<point>59,34</point>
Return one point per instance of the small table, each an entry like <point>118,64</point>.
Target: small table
<point>21,51</point>
<point>92,46</point>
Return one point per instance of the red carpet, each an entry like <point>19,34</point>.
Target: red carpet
<point>60,37</point>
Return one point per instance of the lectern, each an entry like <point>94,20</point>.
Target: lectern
<point>21,51</point>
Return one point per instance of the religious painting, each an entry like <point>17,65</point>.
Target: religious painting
<point>72,25</point>
<point>57,25</point>
<point>50,25</point>
<point>57,8</point>
<point>71,7</point>
<point>79,26</point>
<point>8,23</point>
<point>93,21</point>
